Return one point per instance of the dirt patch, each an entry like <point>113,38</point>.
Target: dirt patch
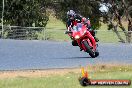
<point>37,73</point>
<point>49,72</point>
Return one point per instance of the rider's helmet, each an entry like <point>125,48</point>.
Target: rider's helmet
<point>70,14</point>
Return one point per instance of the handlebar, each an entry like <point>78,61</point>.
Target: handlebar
<point>66,32</point>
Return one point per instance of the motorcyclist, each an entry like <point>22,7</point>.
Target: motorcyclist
<point>73,18</point>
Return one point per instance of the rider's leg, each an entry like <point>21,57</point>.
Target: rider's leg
<point>74,43</point>
<point>91,31</point>
<point>93,34</point>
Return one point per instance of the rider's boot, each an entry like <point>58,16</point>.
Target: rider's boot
<point>81,49</point>
<point>74,43</point>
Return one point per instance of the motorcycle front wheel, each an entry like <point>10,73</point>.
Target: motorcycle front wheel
<point>88,49</point>
<point>96,53</point>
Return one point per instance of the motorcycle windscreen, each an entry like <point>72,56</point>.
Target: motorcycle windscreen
<point>78,30</point>
<point>78,27</point>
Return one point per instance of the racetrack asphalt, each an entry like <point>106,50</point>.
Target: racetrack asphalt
<point>34,54</point>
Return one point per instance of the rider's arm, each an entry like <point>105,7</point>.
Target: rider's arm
<point>68,25</point>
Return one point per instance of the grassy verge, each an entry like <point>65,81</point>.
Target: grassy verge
<point>55,31</point>
<point>69,79</point>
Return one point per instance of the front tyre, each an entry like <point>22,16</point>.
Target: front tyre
<point>88,49</point>
<point>96,53</point>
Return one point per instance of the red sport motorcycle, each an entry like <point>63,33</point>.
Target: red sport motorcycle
<point>84,39</point>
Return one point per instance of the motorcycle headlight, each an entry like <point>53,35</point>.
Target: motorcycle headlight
<point>77,37</point>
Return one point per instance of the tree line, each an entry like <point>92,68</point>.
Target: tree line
<point>33,13</point>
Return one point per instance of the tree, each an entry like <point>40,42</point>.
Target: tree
<point>29,12</point>
<point>87,8</point>
<point>0,11</point>
<point>25,13</point>
<point>118,11</point>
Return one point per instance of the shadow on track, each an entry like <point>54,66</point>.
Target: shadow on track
<point>75,58</point>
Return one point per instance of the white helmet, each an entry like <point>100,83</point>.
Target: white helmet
<point>70,13</point>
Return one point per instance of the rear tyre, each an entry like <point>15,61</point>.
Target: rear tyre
<point>88,49</point>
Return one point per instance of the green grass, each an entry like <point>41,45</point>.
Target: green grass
<point>108,36</point>
<point>55,31</point>
<point>69,80</point>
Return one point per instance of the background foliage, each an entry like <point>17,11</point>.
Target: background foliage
<point>35,13</point>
